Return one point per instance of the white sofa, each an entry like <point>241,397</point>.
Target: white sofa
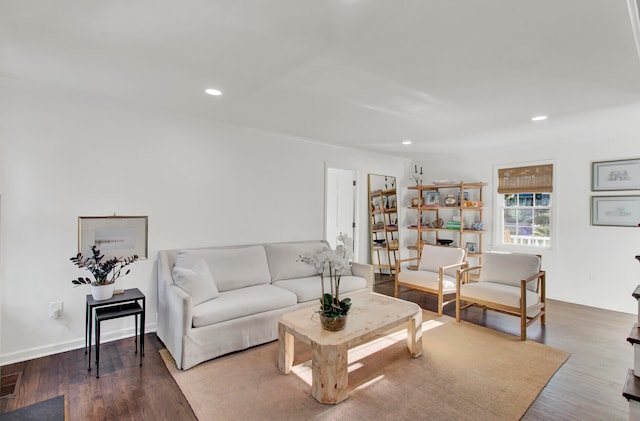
<point>216,300</point>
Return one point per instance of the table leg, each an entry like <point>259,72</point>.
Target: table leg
<point>86,327</point>
<point>286,351</point>
<point>97,348</point>
<point>135,334</point>
<point>141,337</point>
<point>90,325</point>
<point>329,373</point>
<point>414,335</point>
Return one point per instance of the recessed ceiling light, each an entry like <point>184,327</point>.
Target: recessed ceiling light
<point>213,92</point>
<point>407,142</point>
<point>539,118</point>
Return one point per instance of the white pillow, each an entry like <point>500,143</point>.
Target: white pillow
<point>193,277</point>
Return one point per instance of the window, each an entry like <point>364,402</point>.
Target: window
<point>524,202</point>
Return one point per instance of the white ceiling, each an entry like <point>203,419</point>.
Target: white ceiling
<point>363,73</point>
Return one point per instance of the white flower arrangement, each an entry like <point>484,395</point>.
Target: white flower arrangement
<point>333,263</point>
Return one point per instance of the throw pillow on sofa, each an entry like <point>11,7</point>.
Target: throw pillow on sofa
<point>191,274</point>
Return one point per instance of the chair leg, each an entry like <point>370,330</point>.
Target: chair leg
<point>395,292</point>
<point>457,308</point>
<point>440,304</point>
<point>523,324</point>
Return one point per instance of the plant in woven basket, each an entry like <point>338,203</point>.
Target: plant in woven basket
<point>105,272</point>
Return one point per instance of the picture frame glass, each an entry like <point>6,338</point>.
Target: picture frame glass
<point>616,175</point>
<point>114,236</point>
<point>621,211</point>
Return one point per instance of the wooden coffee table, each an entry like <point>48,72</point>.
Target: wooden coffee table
<point>370,315</point>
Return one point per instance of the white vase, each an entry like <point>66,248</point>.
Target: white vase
<point>102,292</point>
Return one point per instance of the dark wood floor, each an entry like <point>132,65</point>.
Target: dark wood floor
<point>587,387</point>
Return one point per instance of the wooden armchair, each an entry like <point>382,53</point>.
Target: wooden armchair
<point>435,275</point>
<point>509,283</point>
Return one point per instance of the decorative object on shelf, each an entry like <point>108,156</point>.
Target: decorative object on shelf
<point>477,225</point>
<point>471,247</point>
<point>445,242</point>
<point>416,201</point>
<point>417,177</point>
<point>105,272</point>
<point>378,225</point>
<point>394,245</point>
<point>464,199</point>
<point>450,200</point>
<point>432,198</point>
<point>333,311</point>
<point>438,223</point>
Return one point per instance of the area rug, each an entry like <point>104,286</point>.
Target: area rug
<point>466,372</point>
<point>53,409</point>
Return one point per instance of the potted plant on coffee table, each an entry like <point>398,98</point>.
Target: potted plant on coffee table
<point>105,272</point>
<point>333,263</point>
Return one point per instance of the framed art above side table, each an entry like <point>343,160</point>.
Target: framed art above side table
<point>115,236</point>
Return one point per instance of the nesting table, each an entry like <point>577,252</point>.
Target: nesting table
<point>130,303</point>
<point>371,314</point>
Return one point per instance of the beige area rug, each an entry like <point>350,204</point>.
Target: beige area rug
<point>466,372</point>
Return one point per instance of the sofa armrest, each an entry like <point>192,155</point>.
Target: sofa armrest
<point>174,310</point>
<point>365,271</point>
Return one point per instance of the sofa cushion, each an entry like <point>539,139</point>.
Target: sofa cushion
<point>237,303</point>
<point>425,279</point>
<point>433,257</point>
<point>309,288</point>
<point>192,275</point>
<point>284,259</point>
<point>509,268</point>
<point>236,267</point>
<point>501,294</point>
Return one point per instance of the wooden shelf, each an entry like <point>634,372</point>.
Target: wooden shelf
<point>471,193</point>
<point>383,256</point>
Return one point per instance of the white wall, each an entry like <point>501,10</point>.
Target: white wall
<point>590,265</point>
<point>63,156</point>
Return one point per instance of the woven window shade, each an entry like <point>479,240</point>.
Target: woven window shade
<point>533,179</point>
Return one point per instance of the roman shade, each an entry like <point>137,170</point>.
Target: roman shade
<point>530,179</point>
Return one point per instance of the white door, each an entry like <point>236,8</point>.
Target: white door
<point>340,205</point>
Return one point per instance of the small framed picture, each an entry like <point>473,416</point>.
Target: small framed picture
<point>619,211</point>
<point>616,175</point>
<point>432,198</point>
<point>114,236</point>
<point>471,247</point>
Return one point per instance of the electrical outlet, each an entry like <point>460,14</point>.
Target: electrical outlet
<point>55,309</point>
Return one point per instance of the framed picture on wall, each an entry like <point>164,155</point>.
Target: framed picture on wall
<point>114,236</point>
<point>615,175</point>
<point>619,211</point>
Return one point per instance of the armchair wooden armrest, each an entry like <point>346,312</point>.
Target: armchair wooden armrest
<point>404,261</point>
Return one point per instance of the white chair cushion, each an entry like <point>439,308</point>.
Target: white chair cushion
<point>236,267</point>
<point>309,288</point>
<point>509,268</point>
<point>424,279</point>
<point>435,256</point>
<point>500,294</point>
<point>283,259</point>
<point>192,275</point>
<point>242,302</point>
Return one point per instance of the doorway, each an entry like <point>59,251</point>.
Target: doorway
<point>340,206</point>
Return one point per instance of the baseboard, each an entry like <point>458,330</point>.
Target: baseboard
<point>44,351</point>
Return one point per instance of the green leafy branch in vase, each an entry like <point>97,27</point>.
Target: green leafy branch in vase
<point>105,272</point>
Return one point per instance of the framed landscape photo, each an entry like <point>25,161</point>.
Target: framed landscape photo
<point>618,211</point>
<point>615,175</point>
<point>114,236</point>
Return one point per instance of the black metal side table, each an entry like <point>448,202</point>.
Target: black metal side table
<point>133,295</point>
<point>114,312</point>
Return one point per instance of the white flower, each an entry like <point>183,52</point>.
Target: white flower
<point>334,263</point>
